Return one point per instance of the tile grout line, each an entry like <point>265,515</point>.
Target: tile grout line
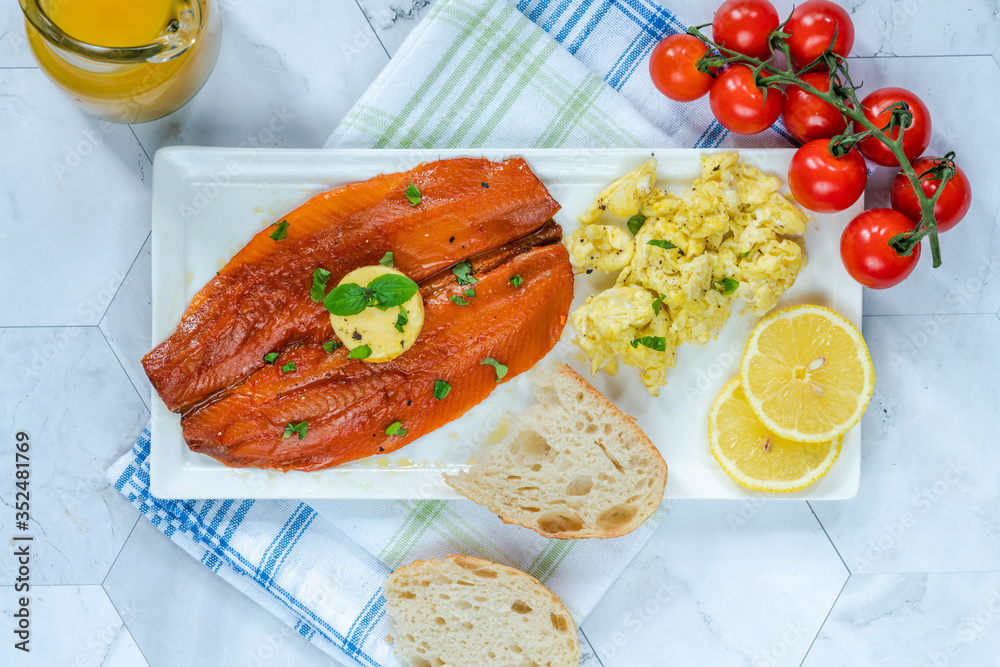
<point>144,151</point>
<point>922,314</point>
<point>125,623</point>
<point>117,555</point>
<point>125,371</point>
<point>825,619</point>
<point>591,644</point>
<point>374,31</point>
<point>835,549</point>
<point>129,269</point>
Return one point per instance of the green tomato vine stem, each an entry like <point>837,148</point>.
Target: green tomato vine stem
<point>842,96</point>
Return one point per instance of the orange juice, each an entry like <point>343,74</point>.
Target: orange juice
<point>112,22</point>
<point>124,60</point>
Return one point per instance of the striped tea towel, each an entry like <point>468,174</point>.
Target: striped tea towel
<point>547,73</point>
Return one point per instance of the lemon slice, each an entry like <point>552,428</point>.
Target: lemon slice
<point>806,373</point>
<point>757,458</point>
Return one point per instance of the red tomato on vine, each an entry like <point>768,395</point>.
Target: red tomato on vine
<point>673,69</point>
<point>823,182</point>
<point>739,105</point>
<point>865,249</point>
<point>744,26</point>
<point>950,207</point>
<point>916,137</point>
<point>812,27</point>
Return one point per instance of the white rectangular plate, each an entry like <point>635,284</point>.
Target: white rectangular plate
<point>208,203</point>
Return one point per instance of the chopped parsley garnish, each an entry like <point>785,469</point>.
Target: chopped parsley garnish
<point>384,292</point>
<point>401,320</point>
<point>658,304</point>
<point>281,232</point>
<point>270,357</point>
<point>331,345</point>
<point>396,428</point>
<point>386,259</point>
<point>454,298</point>
<point>516,280</point>
<point>360,352</point>
<point>318,290</point>
<point>441,389</point>
<point>726,285</point>
<point>497,366</point>
<point>299,428</point>
<point>658,343</point>
<point>463,271</point>
<point>635,223</point>
<point>744,254</point>
<point>413,194</point>
<point>471,293</point>
<point>289,367</point>
<point>666,245</point>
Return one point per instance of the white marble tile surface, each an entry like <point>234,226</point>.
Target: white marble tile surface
<point>164,594</point>
<point>71,625</point>
<point>393,20</point>
<point>65,389</point>
<point>894,27</point>
<point>935,619</point>
<point>127,324</point>
<point>721,583</point>
<point>287,73</point>
<point>930,476</point>
<point>14,49</point>
<point>72,189</point>
<point>718,584</point>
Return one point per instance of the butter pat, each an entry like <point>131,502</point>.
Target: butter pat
<point>375,327</point>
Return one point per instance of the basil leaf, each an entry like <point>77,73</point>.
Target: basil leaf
<point>401,320</point>
<point>281,232</point>
<point>318,290</point>
<point>331,345</point>
<point>666,245</point>
<point>658,343</point>
<point>396,428</point>
<point>360,352</point>
<point>299,428</point>
<point>391,290</point>
<point>497,366</point>
<point>347,299</point>
<point>463,271</point>
<point>726,285</point>
<point>459,300</point>
<point>658,304</point>
<point>635,223</point>
<point>289,367</point>
<point>270,357</point>
<point>441,389</point>
<point>471,293</point>
<point>413,194</point>
<point>516,280</point>
<point>386,259</point>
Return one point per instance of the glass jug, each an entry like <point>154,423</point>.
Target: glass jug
<point>119,80</point>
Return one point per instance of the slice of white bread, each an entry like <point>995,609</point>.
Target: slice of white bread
<point>464,611</point>
<point>572,466</point>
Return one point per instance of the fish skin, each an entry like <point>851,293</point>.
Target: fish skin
<point>259,302</point>
<point>349,403</point>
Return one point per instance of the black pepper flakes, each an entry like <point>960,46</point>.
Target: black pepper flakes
<point>409,403</point>
<point>451,240</point>
<point>356,335</point>
<point>485,185</point>
<point>381,449</point>
<point>589,271</point>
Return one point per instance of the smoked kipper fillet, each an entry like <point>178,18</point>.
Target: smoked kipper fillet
<point>259,302</point>
<point>348,404</point>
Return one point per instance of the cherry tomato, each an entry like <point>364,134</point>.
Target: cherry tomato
<point>744,26</point>
<point>739,105</point>
<point>950,207</point>
<point>824,183</point>
<point>672,67</point>
<point>807,117</point>
<point>865,250</point>
<point>812,26</point>
<point>915,138</point>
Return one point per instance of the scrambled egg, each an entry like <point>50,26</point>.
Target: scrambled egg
<point>695,253</point>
